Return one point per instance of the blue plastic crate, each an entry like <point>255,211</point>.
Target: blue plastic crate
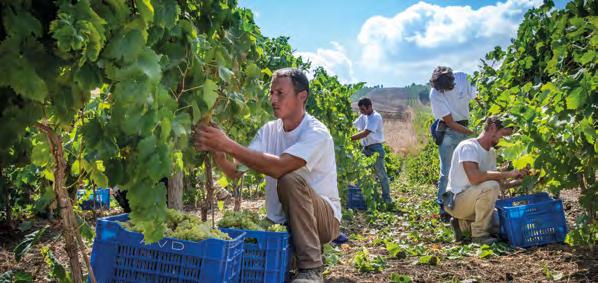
<point>532,220</point>
<point>266,257</point>
<point>355,198</point>
<point>119,255</point>
<point>102,199</point>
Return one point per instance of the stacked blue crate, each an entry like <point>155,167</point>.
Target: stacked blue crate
<point>266,257</point>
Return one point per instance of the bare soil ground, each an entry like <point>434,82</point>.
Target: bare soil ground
<point>557,262</point>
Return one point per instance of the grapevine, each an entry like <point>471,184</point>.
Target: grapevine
<point>546,83</point>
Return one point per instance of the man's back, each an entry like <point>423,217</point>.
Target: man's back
<point>454,102</point>
<point>468,150</point>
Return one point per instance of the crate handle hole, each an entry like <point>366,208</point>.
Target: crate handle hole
<point>520,203</point>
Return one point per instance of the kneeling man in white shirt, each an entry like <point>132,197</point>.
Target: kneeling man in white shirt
<point>474,183</point>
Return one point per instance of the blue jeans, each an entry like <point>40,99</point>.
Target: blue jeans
<point>445,151</point>
<point>380,169</point>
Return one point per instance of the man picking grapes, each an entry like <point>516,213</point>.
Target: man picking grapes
<point>296,152</point>
<point>474,182</point>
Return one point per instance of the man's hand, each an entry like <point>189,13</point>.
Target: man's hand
<point>512,174</point>
<point>211,138</point>
<point>526,171</point>
<point>504,167</point>
<point>518,174</point>
<point>476,176</point>
<point>504,185</point>
<point>522,173</point>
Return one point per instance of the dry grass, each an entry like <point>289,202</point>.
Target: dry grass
<point>400,134</point>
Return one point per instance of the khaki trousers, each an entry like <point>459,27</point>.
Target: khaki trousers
<point>474,208</point>
<point>311,219</point>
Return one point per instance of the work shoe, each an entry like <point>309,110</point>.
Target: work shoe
<point>341,239</point>
<point>487,240</point>
<point>445,217</point>
<point>457,230</point>
<point>312,275</point>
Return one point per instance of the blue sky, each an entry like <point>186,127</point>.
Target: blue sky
<point>391,42</point>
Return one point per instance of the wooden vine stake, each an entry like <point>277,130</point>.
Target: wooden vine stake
<point>69,222</point>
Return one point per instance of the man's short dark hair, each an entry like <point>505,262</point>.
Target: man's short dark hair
<point>442,79</point>
<point>497,121</point>
<point>298,78</point>
<point>364,102</point>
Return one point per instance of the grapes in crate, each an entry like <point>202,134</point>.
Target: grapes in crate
<point>249,220</point>
<point>182,226</point>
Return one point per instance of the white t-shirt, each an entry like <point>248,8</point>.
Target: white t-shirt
<point>310,141</point>
<point>468,150</point>
<point>374,124</point>
<point>455,101</point>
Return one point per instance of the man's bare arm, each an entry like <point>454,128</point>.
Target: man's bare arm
<point>360,135</point>
<point>227,166</point>
<point>477,176</point>
<point>213,139</point>
<point>451,123</point>
<point>269,164</point>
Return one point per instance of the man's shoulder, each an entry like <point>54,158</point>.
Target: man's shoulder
<point>375,118</point>
<point>272,123</point>
<point>468,143</point>
<point>316,126</point>
<point>437,97</point>
<point>271,126</point>
<point>434,93</point>
<point>460,78</point>
<point>460,75</point>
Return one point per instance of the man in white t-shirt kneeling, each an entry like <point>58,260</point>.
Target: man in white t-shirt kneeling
<point>296,152</point>
<point>474,183</point>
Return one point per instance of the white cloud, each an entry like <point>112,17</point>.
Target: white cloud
<point>335,61</point>
<point>403,73</point>
<point>405,48</point>
<point>409,45</point>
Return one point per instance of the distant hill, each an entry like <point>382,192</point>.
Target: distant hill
<point>394,100</point>
<point>414,90</point>
<point>363,92</point>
